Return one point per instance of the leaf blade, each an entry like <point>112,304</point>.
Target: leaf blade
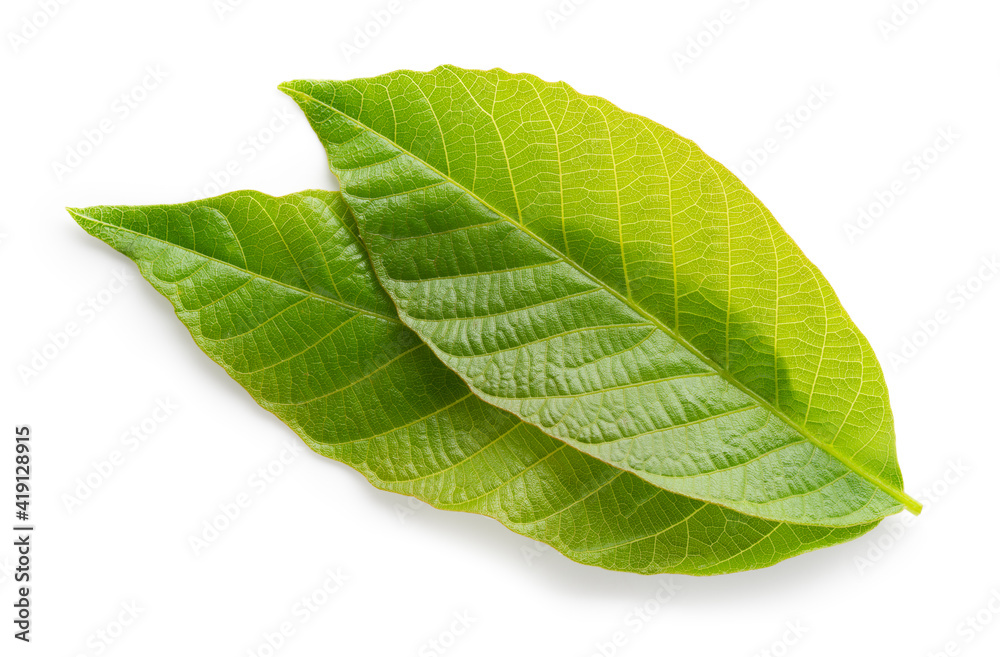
<point>409,208</point>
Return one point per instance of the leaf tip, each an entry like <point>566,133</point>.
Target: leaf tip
<point>78,214</point>
<point>290,88</point>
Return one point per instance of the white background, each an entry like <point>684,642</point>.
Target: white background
<point>905,589</point>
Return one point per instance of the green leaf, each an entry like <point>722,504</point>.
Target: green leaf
<point>603,279</point>
<point>280,293</point>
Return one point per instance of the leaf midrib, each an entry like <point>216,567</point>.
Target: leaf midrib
<point>908,502</point>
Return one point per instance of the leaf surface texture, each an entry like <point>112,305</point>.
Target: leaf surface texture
<point>280,293</point>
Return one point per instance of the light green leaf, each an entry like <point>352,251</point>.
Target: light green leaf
<point>603,279</point>
<point>280,293</point>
